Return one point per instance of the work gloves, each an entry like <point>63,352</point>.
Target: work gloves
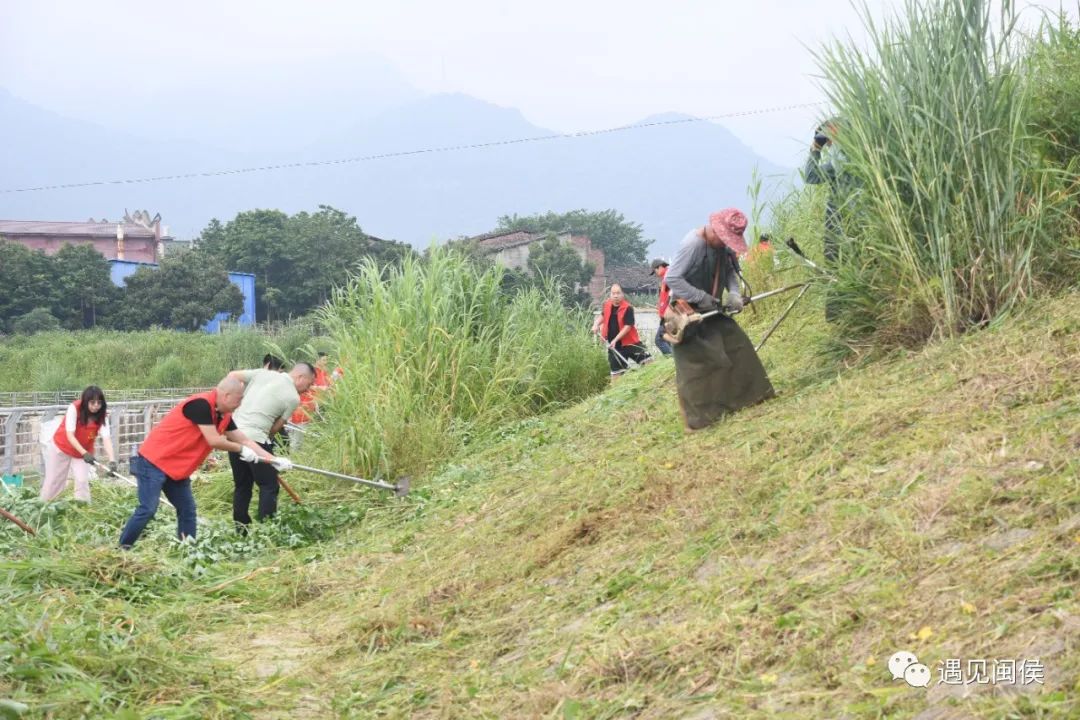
<point>734,302</point>
<point>248,455</point>
<point>89,458</point>
<point>820,140</point>
<point>708,304</point>
<point>112,466</point>
<point>282,464</point>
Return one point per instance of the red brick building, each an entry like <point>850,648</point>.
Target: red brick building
<point>114,240</point>
<point>511,249</point>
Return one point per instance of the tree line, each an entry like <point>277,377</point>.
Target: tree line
<point>297,261</point>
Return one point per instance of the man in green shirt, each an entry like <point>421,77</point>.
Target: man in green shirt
<point>270,397</point>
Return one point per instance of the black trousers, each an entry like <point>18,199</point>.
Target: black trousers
<point>245,476</point>
<point>618,364</point>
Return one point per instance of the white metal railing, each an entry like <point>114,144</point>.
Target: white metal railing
<point>35,398</point>
<point>20,430</point>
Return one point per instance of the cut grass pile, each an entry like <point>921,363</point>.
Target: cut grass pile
<point>598,562</point>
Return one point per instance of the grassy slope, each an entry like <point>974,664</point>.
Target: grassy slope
<point>598,562</point>
<point>601,563</point>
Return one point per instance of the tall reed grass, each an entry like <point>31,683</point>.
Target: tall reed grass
<point>434,353</point>
<point>951,210</point>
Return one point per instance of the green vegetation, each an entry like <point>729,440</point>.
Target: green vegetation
<point>158,358</point>
<point>37,320</point>
<point>434,354</point>
<point>952,215</point>
<point>559,263</point>
<point>597,562</point>
<point>619,238</point>
<point>72,288</point>
<point>297,259</point>
<point>1054,91</point>
<point>568,553</point>
<point>183,293</point>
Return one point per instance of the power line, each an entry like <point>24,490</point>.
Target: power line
<point>406,153</point>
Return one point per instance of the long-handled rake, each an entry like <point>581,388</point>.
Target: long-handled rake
<point>400,490</point>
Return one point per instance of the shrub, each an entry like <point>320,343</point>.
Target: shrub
<point>35,321</point>
<point>1054,88</point>
<point>434,352</point>
<point>168,372</point>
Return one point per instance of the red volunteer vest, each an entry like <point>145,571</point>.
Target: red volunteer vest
<point>303,411</point>
<point>665,292</point>
<point>630,338</point>
<point>309,399</point>
<point>176,445</point>
<point>85,434</point>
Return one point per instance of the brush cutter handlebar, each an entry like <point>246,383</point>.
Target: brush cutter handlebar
<point>681,314</point>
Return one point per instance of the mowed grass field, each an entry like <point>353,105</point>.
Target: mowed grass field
<point>598,562</point>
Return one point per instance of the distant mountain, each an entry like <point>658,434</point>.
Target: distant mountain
<point>667,177</point>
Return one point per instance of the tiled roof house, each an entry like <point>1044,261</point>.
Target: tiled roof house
<point>511,249</point>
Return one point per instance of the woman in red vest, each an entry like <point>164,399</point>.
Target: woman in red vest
<point>69,445</point>
<point>616,326</point>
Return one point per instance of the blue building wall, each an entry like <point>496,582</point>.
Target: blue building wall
<point>246,283</point>
<point>120,269</point>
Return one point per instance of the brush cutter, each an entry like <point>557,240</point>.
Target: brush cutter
<point>400,490</point>
<point>806,286</point>
<point>793,246</point>
<point>677,320</point>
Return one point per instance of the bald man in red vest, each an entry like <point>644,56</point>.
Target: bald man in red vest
<point>177,446</point>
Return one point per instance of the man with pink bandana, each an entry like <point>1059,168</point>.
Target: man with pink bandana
<point>716,368</point>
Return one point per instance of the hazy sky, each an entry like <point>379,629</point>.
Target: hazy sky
<point>566,65</point>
